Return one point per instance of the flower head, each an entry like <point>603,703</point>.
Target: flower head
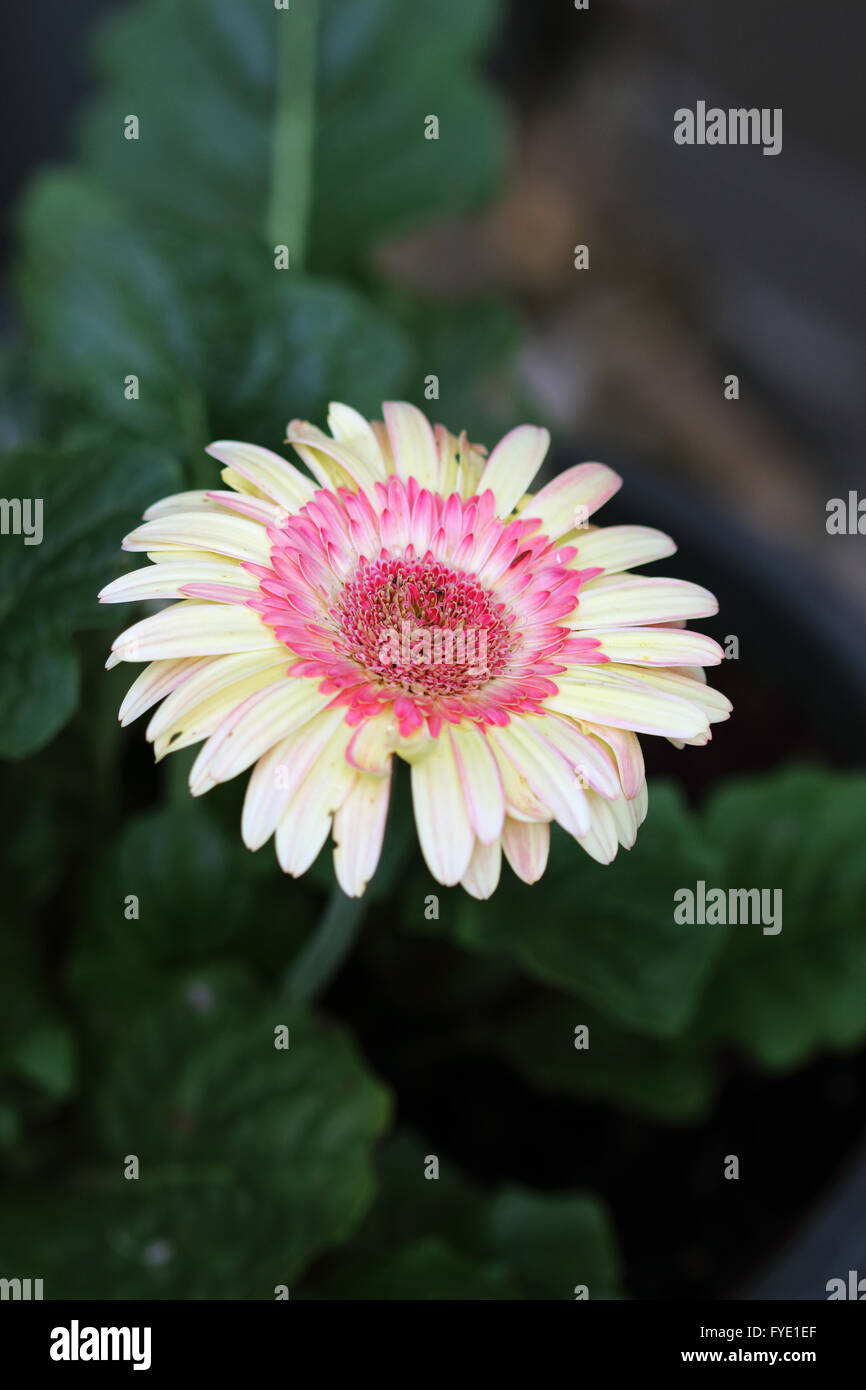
<point>408,597</point>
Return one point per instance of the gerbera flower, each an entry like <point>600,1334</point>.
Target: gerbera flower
<point>408,597</point>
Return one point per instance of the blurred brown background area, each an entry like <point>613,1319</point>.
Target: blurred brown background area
<point>702,261</point>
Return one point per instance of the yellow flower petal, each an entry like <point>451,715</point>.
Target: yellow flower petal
<point>195,629</point>
<point>413,445</point>
<point>359,830</point>
<point>270,473</point>
<point>482,876</point>
<point>444,829</point>
<point>513,464</point>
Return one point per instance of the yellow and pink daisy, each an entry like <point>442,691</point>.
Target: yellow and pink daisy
<point>408,597</point>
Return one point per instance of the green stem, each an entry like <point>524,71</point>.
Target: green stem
<point>292,149</point>
<point>327,948</point>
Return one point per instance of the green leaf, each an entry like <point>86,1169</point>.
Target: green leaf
<point>46,1057</point>
<point>39,690</point>
<point>442,1238</point>
<point>669,1079</point>
<point>198,1081</point>
<point>304,343</point>
<point>88,497</point>
<point>222,344</point>
<point>555,1243</point>
<point>202,163</point>
<point>253,1160</point>
<point>174,1233</point>
<point>103,302</point>
<point>381,78</point>
<point>176,891</point>
<point>411,1206</point>
<point>205,166</point>
<point>188,877</point>
<point>37,1050</point>
<point>783,997</point>
<point>423,1269</point>
<point>606,933</point>
<point>780,998</point>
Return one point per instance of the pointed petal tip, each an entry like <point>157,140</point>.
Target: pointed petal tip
<point>477,892</point>
<point>218,447</point>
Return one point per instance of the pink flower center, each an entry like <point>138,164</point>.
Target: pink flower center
<point>429,606</point>
<point>423,626</point>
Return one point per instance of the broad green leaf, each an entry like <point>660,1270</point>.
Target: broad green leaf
<point>411,1205</point>
<point>782,997</point>
<point>670,1079</point>
<point>198,1081</point>
<point>88,498</point>
<point>38,1055</point>
<point>173,1233</point>
<point>187,875</point>
<point>606,933</point>
<point>105,303</point>
<point>779,997</point>
<point>206,165</point>
<point>200,75</point>
<point>46,1058</point>
<point>304,342</point>
<point>39,689</point>
<point>380,80</point>
<point>441,1237</point>
<point>221,343</point>
<point>176,890</point>
<point>423,1269</point>
<point>555,1244</point>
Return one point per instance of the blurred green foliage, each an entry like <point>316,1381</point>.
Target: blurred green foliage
<point>667,1002</point>
<point>203,75</point>
<point>444,1238</point>
<point>144,954</point>
<point>90,495</point>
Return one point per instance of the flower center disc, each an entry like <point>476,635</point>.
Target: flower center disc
<point>422,626</point>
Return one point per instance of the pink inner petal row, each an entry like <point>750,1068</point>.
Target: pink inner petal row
<point>351,574</point>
